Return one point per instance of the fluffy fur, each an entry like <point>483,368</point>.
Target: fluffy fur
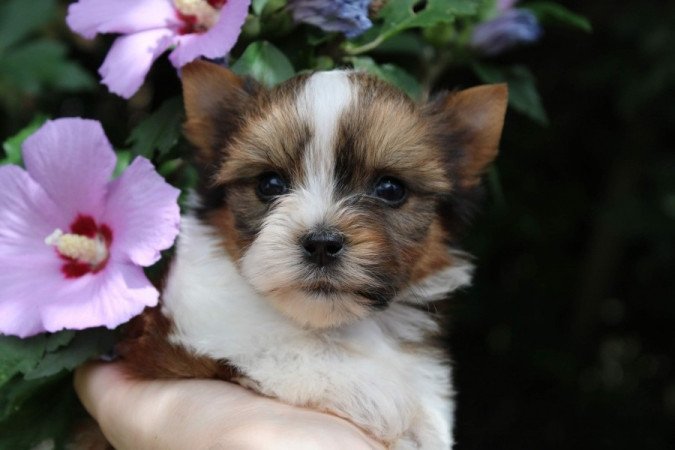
<point>244,302</point>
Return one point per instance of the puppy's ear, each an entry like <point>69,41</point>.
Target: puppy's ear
<point>215,102</point>
<point>473,119</point>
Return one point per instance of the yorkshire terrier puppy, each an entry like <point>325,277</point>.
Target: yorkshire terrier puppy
<point>324,228</point>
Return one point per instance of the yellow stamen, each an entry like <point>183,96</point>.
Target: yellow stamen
<point>206,14</point>
<point>78,247</point>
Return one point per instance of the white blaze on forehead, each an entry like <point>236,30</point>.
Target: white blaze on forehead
<point>274,262</point>
<point>324,98</point>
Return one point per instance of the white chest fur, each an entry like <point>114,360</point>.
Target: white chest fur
<point>376,372</point>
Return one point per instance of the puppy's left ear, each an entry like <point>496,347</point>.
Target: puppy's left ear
<point>215,104</point>
<point>474,119</point>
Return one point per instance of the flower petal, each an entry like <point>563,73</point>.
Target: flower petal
<point>130,58</point>
<point>142,211</point>
<point>19,319</point>
<point>89,17</point>
<point>346,16</point>
<point>514,27</point>
<point>216,42</point>
<point>26,285</point>
<point>108,298</point>
<point>73,161</point>
<point>27,215</point>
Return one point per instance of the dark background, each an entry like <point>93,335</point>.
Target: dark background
<point>566,339</point>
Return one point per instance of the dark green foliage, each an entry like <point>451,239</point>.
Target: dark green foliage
<point>391,73</point>
<point>555,13</point>
<point>523,95</point>
<point>12,146</point>
<point>158,133</point>
<point>48,354</point>
<point>31,66</point>
<point>32,412</point>
<point>265,63</point>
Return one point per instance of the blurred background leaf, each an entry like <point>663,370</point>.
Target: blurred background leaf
<point>39,65</point>
<point>523,94</point>
<point>265,63</point>
<point>552,13</point>
<point>390,73</point>
<point>77,349</point>
<point>159,132</point>
<point>12,146</point>
<point>18,19</point>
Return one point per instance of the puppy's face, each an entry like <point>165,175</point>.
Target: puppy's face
<point>334,192</point>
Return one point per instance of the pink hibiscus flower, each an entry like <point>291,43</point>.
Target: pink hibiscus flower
<point>208,28</point>
<point>72,242</point>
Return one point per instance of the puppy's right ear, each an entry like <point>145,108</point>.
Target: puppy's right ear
<point>215,101</point>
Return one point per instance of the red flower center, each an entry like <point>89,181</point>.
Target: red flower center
<point>86,249</point>
<point>198,16</point>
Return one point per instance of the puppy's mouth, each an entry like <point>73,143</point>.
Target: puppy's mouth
<point>322,288</point>
<point>375,299</point>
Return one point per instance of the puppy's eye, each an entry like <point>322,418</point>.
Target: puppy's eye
<point>390,190</point>
<point>271,185</point>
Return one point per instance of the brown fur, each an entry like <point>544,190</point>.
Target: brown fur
<point>241,130</point>
<point>439,150</point>
<point>232,240</point>
<point>211,92</point>
<point>149,354</point>
<point>431,255</point>
<point>469,128</point>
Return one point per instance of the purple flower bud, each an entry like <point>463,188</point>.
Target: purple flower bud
<point>347,16</point>
<point>515,26</point>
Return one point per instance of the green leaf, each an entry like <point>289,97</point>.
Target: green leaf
<point>523,94</point>
<point>258,6</point>
<point>85,344</point>
<point>19,18</point>
<point>14,393</point>
<point>390,73</point>
<point>12,146</point>
<point>170,167</point>
<point>22,356</point>
<point>32,412</point>
<point>408,43</point>
<point>123,160</point>
<point>266,7</point>
<point>400,15</point>
<point>19,355</point>
<point>556,14</point>
<point>265,63</point>
<point>251,28</point>
<point>160,131</point>
<point>43,63</point>
<point>58,340</point>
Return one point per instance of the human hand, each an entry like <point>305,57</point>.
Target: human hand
<point>203,414</point>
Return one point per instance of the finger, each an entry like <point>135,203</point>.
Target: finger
<point>160,414</point>
<point>93,380</point>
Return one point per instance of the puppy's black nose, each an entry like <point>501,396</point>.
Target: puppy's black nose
<point>323,247</point>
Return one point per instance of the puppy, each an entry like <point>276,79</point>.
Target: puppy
<point>323,230</point>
